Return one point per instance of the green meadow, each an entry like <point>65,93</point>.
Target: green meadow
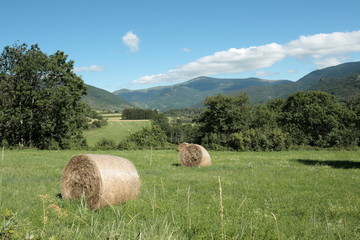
<point>243,195</point>
<point>115,130</point>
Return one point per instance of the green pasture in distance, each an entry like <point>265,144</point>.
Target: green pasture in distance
<point>242,195</point>
<point>116,130</point>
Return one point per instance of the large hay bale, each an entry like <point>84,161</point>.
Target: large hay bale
<point>101,179</point>
<point>193,155</point>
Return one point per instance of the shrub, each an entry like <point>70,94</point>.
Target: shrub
<point>259,140</point>
<point>147,138</point>
<point>105,144</point>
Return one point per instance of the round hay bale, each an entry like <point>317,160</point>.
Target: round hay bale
<point>182,145</point>
<point>100,179</point>
<point>193,155</point>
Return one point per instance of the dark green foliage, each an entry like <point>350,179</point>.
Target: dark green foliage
<point>225,114</point>
<point>303,119</point>
<point>40,99</point>
<point>315,119</point>
<point>149,137</point>
<point>260,140</point>
<point>138,114</point>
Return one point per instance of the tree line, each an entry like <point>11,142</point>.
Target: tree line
<point>313,118</point>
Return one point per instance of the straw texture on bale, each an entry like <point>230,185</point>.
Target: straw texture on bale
<point>193,155</point>
<point>182,146</point>
<point>100,179</point>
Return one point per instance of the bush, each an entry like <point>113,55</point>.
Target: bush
<point>259,140</point>
<point>105,144</point>
<point>148,137</point>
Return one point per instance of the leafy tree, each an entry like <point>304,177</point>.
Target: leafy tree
<point>225,114</point>
<point>138,113</point>
<point>40,99</point>
<point>353,132</point>
<point>314,118</point>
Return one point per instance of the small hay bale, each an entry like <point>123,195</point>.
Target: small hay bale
<point>182,145</point>
<point>193,155</point>
<point>101,179</point>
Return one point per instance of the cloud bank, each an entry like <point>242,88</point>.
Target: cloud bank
<point>321,49</point>
<point>132,41</point>
<point>89,69</point>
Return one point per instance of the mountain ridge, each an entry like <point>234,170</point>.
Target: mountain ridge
<point>336,80</point>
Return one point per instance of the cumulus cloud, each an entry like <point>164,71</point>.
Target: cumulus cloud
<point>89,69</point>
<point>230,61</point>
<point>322,50</point>
<point>132,41</point>
<point>320,45</point>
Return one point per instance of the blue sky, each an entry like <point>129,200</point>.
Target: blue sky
<point>140,44</point>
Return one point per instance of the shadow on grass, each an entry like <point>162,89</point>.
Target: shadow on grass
<point>333,164</point>
<point>176,164</point>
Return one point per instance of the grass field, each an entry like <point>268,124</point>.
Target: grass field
<point>115,129</point>
<point>251,195</point>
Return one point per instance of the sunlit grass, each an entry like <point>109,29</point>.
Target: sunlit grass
<point>274,195</point>
<point>115,130</point>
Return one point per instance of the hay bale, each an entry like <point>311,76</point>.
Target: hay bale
<point>193,155</point>
<point>101,179</point>
<point>182,146</point>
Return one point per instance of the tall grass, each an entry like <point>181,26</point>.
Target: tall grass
<point>274,195</point>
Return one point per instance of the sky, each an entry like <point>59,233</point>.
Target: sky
<point>139,44</point>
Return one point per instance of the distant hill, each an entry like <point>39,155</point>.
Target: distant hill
<point>186,94</point>
<point>102,100</point>
<point>341,80</point>
<point>333,80</point>
<point>339,71</point>
<point>342,88</point>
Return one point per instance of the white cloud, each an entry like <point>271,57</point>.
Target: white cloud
<point>320,45</point>
<point>292,71</point>
<point>186,50</point>
<point>322,50</point>
<point>262,73</point>
<point>230,61</point>
<point>327,62</point>
<point>132,41</point>
<point>89,69</point>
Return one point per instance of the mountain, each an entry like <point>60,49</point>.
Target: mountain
<point>186,94</point>
<point>342,88</point>
<point>332,80</point>
<point>339,71</point>
<point>100,99</point>
<point>341,80</point>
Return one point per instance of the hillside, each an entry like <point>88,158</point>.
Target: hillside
<point>100,99</point>
<point>336,80</point>
<point>342,88</point>
<point>186,94</point>
<point>333,80</point>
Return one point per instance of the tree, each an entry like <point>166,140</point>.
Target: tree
<point>225,114</point>
<point>40,99</point>
<point>314,118</point>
